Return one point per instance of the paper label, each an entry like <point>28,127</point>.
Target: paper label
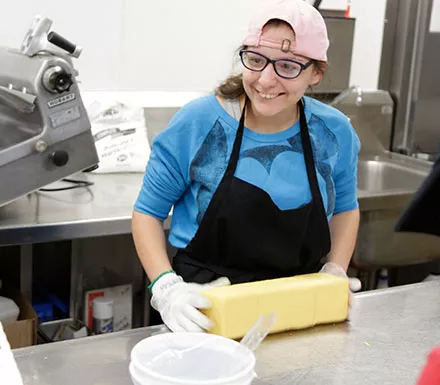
<point>122,305</point>
<point>435,17</point>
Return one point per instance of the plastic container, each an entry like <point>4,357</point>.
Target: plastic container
<point>8,310</point>
<point>382,281</point>
<point>191,359</point>
<point>44,311</point>
<point>102,315</point>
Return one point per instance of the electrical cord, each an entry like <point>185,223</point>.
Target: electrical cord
<point>76,184</point>
<point>317,3</point>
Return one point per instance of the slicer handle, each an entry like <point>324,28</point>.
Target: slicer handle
<point>63,43</point>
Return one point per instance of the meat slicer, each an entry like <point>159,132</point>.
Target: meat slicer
<point>44,128</point>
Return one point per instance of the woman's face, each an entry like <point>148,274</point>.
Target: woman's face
<point>270,94</point>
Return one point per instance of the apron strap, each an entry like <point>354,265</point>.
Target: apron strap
<point>233,160</point>
<point>226,181</point>
<point>308,154</point>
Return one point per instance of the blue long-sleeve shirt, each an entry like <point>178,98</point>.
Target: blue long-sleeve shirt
<point>189,157</point>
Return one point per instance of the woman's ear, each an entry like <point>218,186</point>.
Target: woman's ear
<point>316,77</point>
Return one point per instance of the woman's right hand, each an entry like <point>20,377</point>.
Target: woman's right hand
<point>178,302</point>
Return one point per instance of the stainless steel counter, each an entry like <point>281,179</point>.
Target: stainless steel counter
<point>102,209</point>
<point>386,342</point>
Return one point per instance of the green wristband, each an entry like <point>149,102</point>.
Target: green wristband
<point>150,286</point>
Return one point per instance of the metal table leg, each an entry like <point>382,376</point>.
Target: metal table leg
<point>26,259</point>
<point>76,284</point>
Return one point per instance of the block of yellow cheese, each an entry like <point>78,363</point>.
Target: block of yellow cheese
<point>299,302</point>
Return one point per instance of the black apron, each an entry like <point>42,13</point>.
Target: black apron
<point>246,237</point>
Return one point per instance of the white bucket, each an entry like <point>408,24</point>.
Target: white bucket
<point>191,359</point>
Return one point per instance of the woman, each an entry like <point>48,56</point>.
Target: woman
<point>262,179</point>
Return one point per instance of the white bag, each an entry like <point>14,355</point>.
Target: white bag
<point>120,135</point>
<point>9,311</point>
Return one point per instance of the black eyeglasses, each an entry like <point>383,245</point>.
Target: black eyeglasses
<point>284,68</point>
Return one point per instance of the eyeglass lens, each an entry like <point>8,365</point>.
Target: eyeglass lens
<point>283,67</point>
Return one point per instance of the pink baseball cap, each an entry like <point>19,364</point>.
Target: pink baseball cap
<point>309,26</point>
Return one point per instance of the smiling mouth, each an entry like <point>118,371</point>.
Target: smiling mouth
<point>268,96</point>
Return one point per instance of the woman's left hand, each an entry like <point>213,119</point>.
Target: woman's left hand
<point>354,284</point>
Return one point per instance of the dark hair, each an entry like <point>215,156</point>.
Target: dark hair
<point>232,86</point>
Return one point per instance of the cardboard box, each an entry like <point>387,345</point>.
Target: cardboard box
<point>122,305</point>
<point>22,332</point>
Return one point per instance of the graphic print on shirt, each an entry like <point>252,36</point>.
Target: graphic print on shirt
<point>326,142</point>
<point>210,162</point>
<point>265,154</point>
<point>208,166</point>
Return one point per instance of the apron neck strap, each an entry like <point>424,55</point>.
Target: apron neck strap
<point>308,152</point>
<point>233,160</point>
<point>306,145</point>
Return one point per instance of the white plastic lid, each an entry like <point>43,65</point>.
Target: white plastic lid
<point>102,308</point>
<point>175,359</point>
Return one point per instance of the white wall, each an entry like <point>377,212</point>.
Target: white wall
<point>367,45</point>
<point>170,45</point>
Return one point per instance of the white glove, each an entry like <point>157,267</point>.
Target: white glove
<point>178,302</point>
<point>354,284</point>
<point>334,269</point>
